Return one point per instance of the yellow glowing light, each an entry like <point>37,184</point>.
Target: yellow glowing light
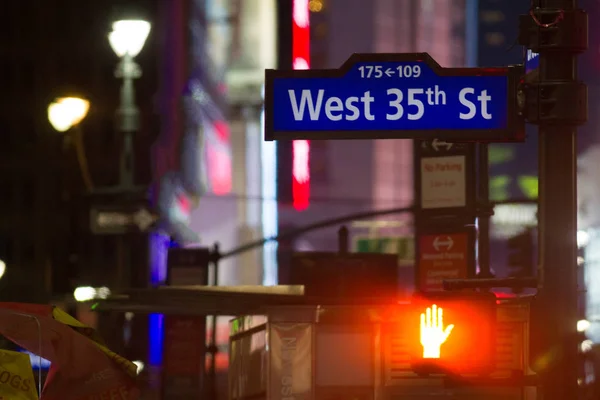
<point>315,5</point>
<point>66,112</point>
<point>433,334</point>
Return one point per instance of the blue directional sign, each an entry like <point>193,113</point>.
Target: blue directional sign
<point>384,96</point>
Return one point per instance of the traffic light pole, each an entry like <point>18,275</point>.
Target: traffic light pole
<point>554,22</point>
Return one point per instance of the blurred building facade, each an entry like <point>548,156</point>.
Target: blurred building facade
<point>588,187</point>
<point>348,177</point>
<point>214,57</point>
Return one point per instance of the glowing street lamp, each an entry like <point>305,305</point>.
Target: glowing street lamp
<point>2,268</point>
<point>128,37</point>
<point>127,40</point>
<point>66,112</point>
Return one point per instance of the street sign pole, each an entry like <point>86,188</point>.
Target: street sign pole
<point>558,216</point>
<point>445,212</point>
<point>557,102</point>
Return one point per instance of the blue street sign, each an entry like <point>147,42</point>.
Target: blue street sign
<point>532,61</point>
<point>384,96</point>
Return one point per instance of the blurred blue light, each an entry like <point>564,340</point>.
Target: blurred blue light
<point>155,339</point>
<point>159,244</point>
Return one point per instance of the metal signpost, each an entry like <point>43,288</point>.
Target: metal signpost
<point>393,96</point>
<point>555,99</point>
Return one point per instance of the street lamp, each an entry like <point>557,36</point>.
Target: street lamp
<point>65,113</point>
<point>127,40</point>
<point>2,268</point>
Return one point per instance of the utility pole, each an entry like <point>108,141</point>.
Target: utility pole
<point>557,102</point>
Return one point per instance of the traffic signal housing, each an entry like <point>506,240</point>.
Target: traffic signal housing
<point>521,255</point>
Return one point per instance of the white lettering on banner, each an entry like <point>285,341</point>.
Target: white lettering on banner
<point>411,103</point>
<point>443,182</point>
<point>288,349</point>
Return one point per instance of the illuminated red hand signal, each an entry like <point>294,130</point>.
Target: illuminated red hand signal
<point>433,334</point>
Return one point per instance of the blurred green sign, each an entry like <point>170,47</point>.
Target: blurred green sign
<point>403,246</point>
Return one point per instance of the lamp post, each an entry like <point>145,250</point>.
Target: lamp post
<point>127,40</point>
<point>65,114</point>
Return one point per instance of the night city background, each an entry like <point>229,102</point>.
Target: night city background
<point>201,169</point>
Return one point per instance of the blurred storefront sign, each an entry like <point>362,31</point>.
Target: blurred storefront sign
<point>118,220</point>
<point>404,246</point>
<point>510,219</point>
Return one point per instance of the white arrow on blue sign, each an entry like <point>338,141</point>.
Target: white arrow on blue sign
<point>532,61</point>
<point>381,96</point>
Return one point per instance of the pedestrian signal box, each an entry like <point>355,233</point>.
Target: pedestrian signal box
<point>452,333</point>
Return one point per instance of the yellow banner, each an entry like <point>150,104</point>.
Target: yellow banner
<point>85,330</point>
<point>16,377</point>
<point>126,365</point>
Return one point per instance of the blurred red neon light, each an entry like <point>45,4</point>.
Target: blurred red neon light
<point>301,148</point>
<point>219,159</point>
